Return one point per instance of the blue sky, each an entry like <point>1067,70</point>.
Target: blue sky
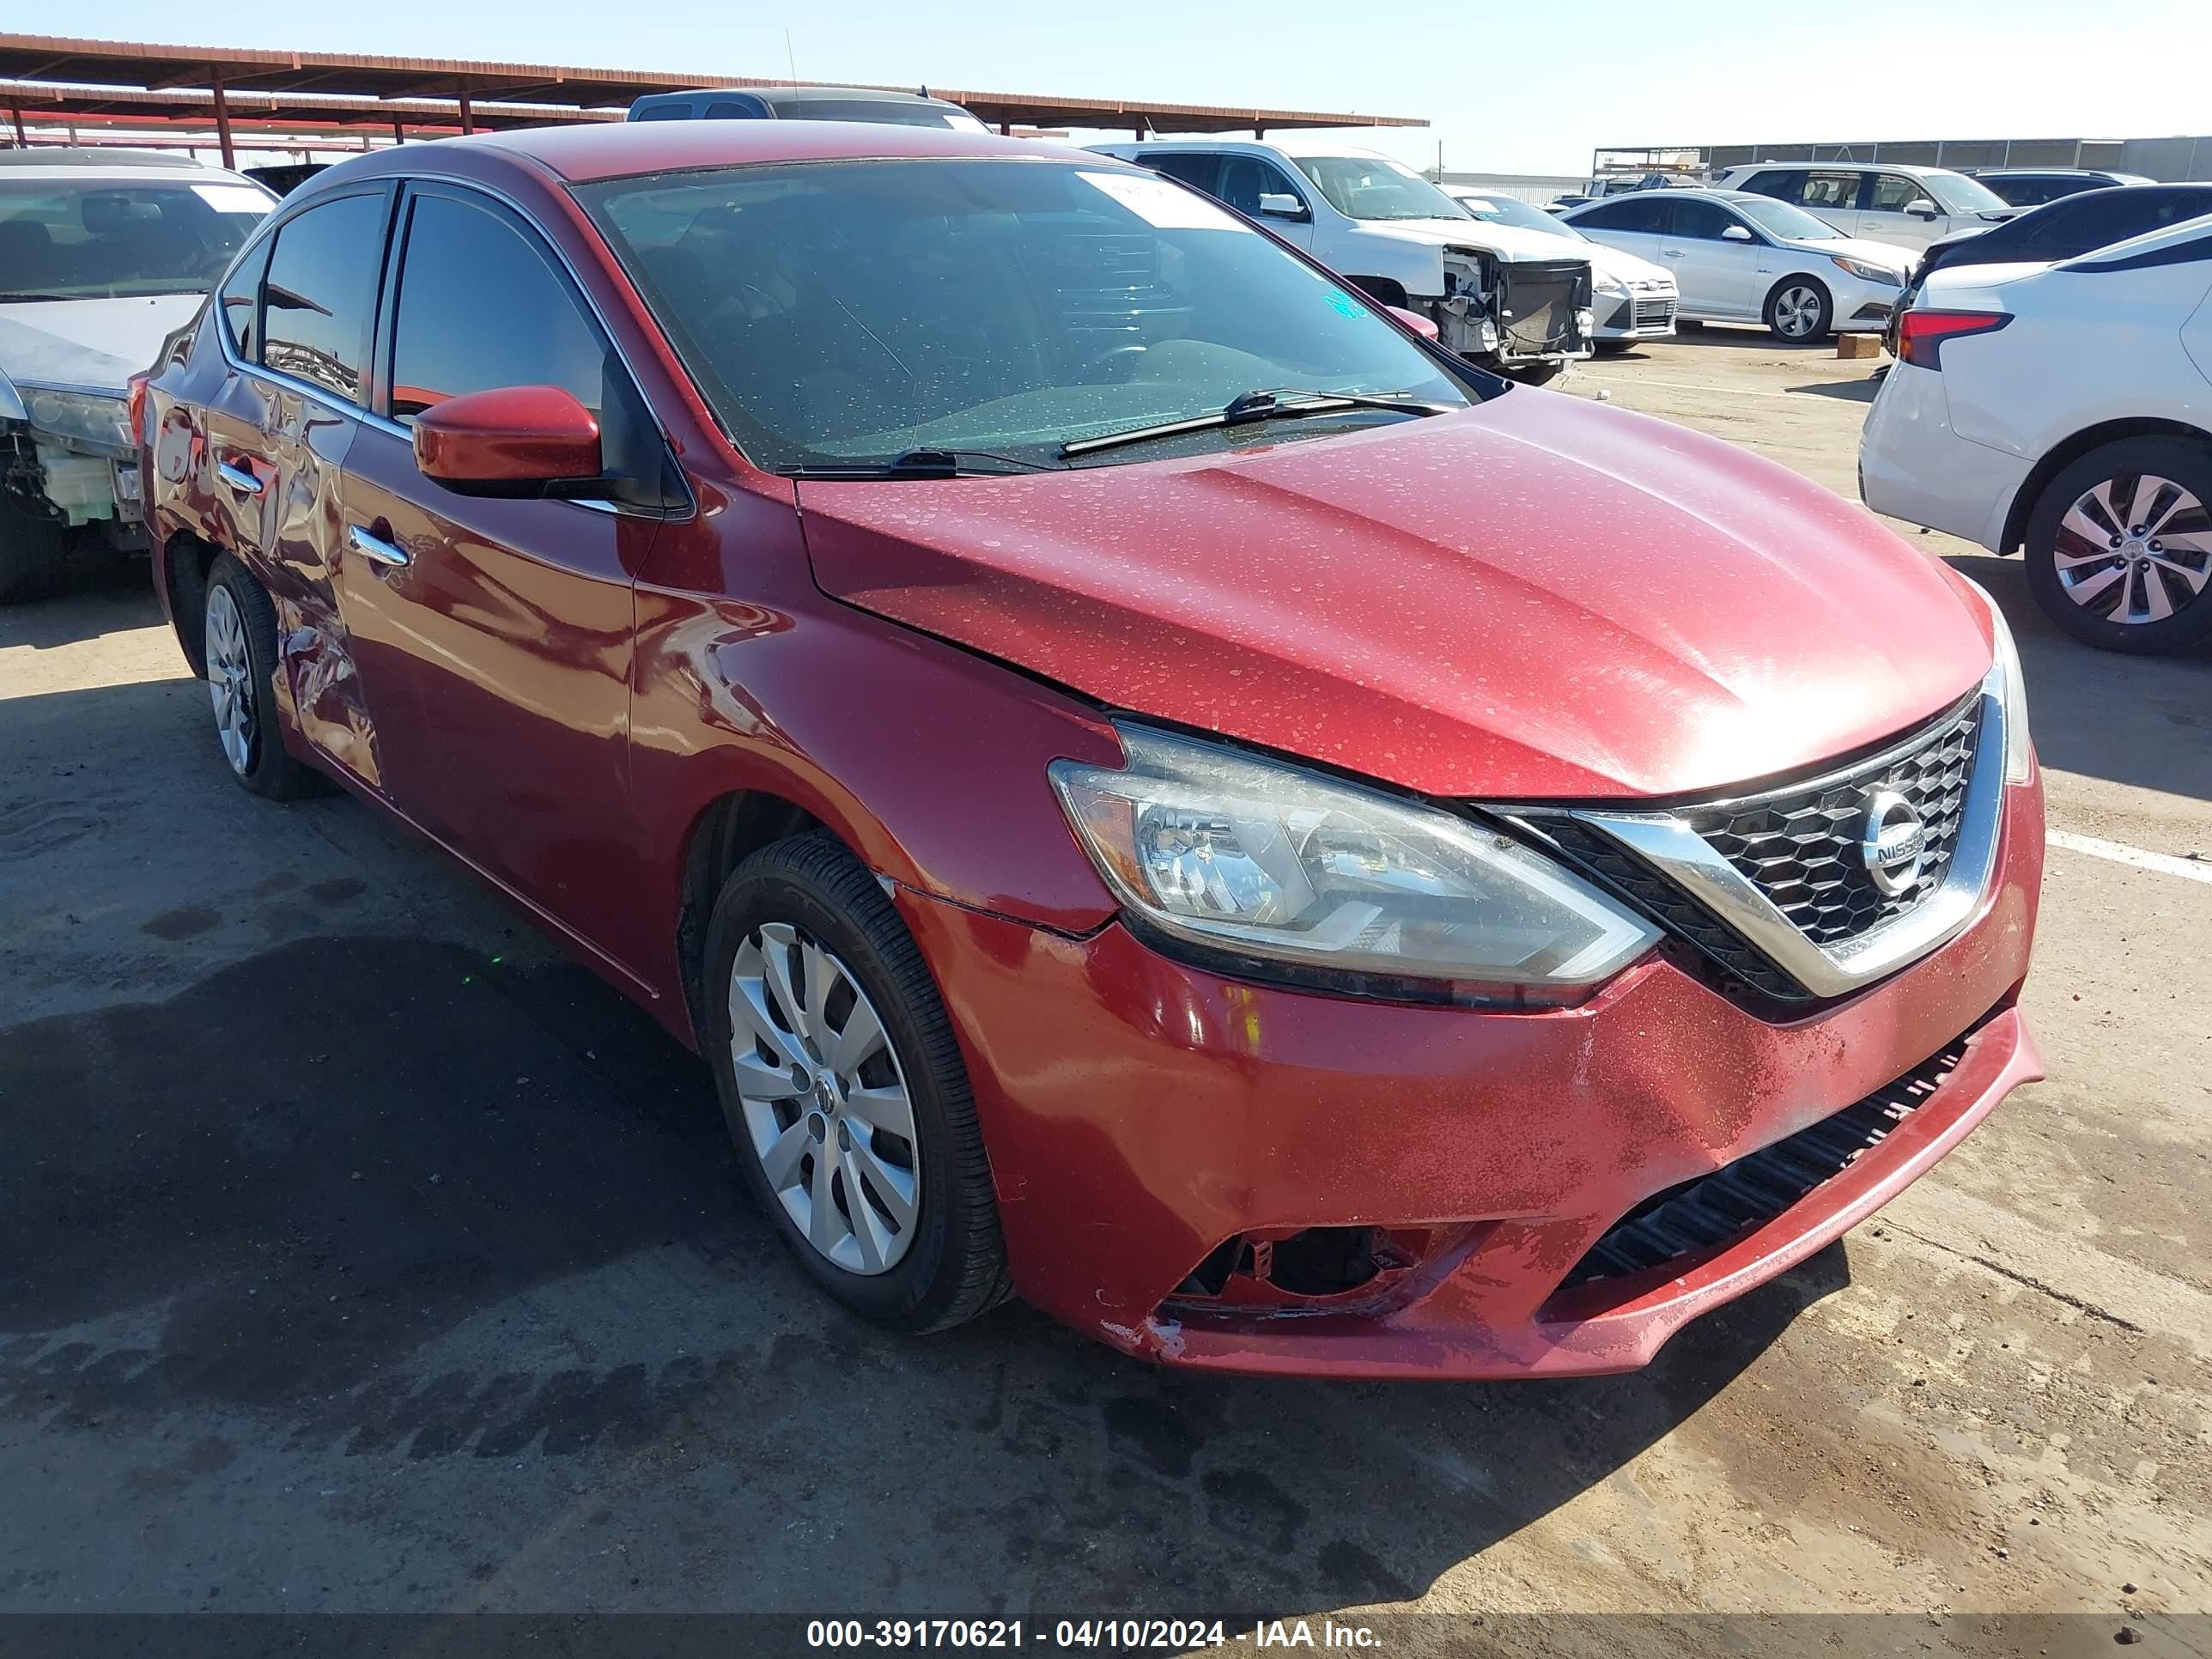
<point>1618,72</point>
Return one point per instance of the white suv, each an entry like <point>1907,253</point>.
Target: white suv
<point>1909,206</point>
<point>1505,297</point>
<point>103,253</point>
<point>2065,409</point>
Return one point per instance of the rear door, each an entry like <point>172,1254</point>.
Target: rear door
<point>518,613</point>
<point>300,321</point>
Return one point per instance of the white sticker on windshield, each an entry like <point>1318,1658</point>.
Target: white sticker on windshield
<point>234,198</point>
<point>1159,204</point>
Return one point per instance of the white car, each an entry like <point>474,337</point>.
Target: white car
<point>1631,299</point>
<point>1743,258</point>
<point>102,254</point>
<point>1908,206</point>
<point>2065,409</point>
<point>1499,295</point>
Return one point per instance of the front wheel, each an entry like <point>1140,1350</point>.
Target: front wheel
<point>844,1091</point>
<point>1799,310</point>
<point>2119,546</point>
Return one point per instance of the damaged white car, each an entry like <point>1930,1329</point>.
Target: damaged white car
<point>102,254</point>
<point>1497,297</point>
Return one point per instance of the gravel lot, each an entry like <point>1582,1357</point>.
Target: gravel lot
<point>362,1254</point>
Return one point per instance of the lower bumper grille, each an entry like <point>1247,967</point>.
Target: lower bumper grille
<point>1700,1217</point>
<point>1652,314</point>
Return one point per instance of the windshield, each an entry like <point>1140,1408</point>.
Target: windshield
<point>847,313</point>
<point>1780,219</point>
<point>1955,192</point>
<point>1368,187</point>
<point>93,239</point>
<point>1512,210</point>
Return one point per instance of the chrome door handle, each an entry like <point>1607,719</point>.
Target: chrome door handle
<point>376,550</point>
<point>1670,253</point>
<point>245,483</point>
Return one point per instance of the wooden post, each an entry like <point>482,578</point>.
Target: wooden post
<point>22,141</point>
<point>468,118</point>
<point>398,133</point>
<point>222,121</point>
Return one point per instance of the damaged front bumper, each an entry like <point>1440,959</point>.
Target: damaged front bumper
<point>70,452</point>
<point>1514,313</point>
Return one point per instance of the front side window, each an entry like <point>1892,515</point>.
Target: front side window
<point>1246,178</point>
<point>1787,223</point>
<point>479,309</point>
<point>1955,192</point>
<point>1892,192</point>
<point>1371,188</point>
<point>848,312</point>
<point>1705,221</point>
<point>321,293</point>
<point>94,239</point>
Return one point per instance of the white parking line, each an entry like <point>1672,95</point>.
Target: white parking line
<point>2120,853</point>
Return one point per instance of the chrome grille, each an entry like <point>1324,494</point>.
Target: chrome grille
<point>1802,849</point>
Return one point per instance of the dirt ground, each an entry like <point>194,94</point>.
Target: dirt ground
<point>359,1254</point>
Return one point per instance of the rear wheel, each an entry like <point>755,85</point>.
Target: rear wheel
<point>241,647</point>
<point>2119,546</point>
<point>1799,310</point>
<point>32,549</point>
<point>844,1091</point>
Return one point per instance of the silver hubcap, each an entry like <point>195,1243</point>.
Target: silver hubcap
<point>230,679</point>
<point>824,1099</point>
<point>2135,549</point>
<point>1796,310</point>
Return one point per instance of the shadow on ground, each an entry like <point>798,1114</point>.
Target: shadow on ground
<point>374,1198</point>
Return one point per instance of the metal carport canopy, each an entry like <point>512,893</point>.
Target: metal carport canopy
<point>83,68</point>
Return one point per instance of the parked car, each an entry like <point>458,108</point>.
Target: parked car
<point>285,176</point>
<point>103,252</point>
<point>1739,257</point>
<point>2065,409</point>
<point>2067,228</point>
<point>1104,814</point>
<point>1904,206</point>
<point>1631,299</point>
<point>903,109</point>
<point>2028,188</point>
<point>1497,295</point>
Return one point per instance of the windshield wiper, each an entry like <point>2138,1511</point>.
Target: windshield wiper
<point>1249,408</point>
<point>930,463</point>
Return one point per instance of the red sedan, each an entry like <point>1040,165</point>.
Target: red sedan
<point>1157,790</point>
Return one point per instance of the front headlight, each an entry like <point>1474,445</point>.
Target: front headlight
<point>1867,273</point>
<point>1611,286</point>
<point>1278,866</point>
<point>83,417</point>
<point>2017,743</point>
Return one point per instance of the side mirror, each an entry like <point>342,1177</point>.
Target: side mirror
<point>519,440</point>
<point>1920,208</point>
<point>1414,319</point>
<point>1736,233</point>
<point>1275,204</point>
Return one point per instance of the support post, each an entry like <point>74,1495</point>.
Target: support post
<point>222,120</point>
<point>23,140</point>
<point>468,117</point>
<point>398,133</point>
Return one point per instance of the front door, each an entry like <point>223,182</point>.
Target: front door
<point>518,613</point>
<point>1719,276</point>
<point>1884,215</point>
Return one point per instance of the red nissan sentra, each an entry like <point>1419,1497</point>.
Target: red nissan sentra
<point>1157,790</point>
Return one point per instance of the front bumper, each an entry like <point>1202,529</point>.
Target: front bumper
<point>1637,317</point>
<point>1140,1114</point>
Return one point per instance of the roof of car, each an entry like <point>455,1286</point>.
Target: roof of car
<point>1918,170</point>
<point>615,149</point>
<point>86,162</point>
<point>1289,144</point>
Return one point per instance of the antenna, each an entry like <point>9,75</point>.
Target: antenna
<point>789,57</point>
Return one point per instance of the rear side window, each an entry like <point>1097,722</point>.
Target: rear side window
<point>663,113</point>
<point>1196,170</point>
<point>1782,184</point>
<point>321,293</point>
<point>480,308</point>
<point>242,297</point>
<point>722,109</point>
<point>1834,192</point>
<point>1647,212</point>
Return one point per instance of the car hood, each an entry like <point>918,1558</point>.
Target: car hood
<point>1619,263</point>
<point>1508,242</point>
<point>1538,598</point>
<point>1888,255</point>
<point>98,343</point>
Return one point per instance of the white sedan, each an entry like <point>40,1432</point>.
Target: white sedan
<point>1631,299</point>
<point>1739,257</point>
<point>2065,409</point>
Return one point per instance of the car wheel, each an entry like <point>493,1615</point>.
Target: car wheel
<point>844,1090</point>
<point>32,549</point>
<point>1798,310</point>
<point>240,650</point>
<point>1614,348</point>
<point>2119,546</point>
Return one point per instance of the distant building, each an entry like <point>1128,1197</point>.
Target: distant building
<point>2167,160</point>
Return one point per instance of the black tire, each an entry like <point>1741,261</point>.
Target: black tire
<point>955,1266</point>
<point>268,769</point>
<point>2122,468</point>
<point>32,550</point>
<point>1616,348</point>
<point>1784,312</point>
